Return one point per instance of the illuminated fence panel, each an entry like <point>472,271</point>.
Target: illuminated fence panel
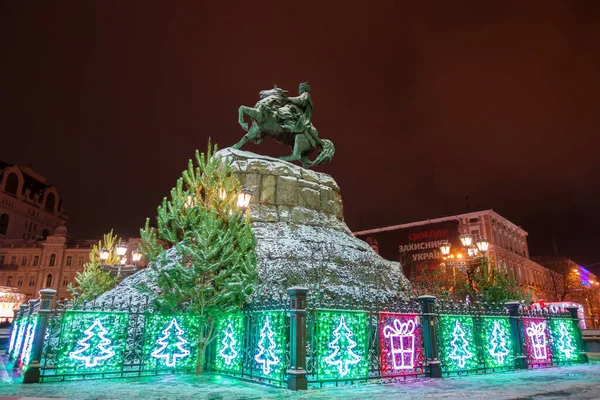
<point>92,342</point>
<point>341,345</point>
<point>13,336</point>
<point>457,343</point>
<point>564,340</point>
<point>269,358</point>
<point>230,341</point>
<point>400,344</point>
<point>171,342</point>
<point>537,341</point>
<point>28,341</point>
<point>497,342</point>
<point>20,338</point>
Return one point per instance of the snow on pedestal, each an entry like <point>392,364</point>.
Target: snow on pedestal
<point>297,218</point>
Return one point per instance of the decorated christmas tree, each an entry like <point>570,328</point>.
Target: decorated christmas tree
<point>95,346</point>
<point>267,357</point>
<point>228,351</point>
<point>498,343</point>
<point>343,355</point>
<point>171,344</point>
<point>459,344</point>
<point>216,250</point>
<point>565,341</point>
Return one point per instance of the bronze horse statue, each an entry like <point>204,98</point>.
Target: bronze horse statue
<point>288,120</point>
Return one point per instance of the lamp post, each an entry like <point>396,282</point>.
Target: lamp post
<point>122,266</point>
<point>474,253</point>
<point>243,201</point>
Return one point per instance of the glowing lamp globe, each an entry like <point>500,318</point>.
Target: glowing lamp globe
<point>445,248</point>
<point>244,199</point>
<point>471,251</point>
<point>104,253</point>
<point>136,256</point>
<point>121,250</point>
<point>483,245</point>
<point>466,239</point>
<point>222,194</point>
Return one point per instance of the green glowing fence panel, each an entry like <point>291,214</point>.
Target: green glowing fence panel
<point>229,342</point>
<point>497,342</point>
<point>28,341</point>
<point>20,338</point>
<point>171,342</point>
<point>269,352</point>
<point>457,343</point>
<point>564,340</point>
<point>341,345</point>
<point>92,342</point>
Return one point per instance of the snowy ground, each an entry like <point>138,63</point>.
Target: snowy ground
<point>575,382</point>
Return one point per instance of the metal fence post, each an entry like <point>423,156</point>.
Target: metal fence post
<point>516,330</point>
<point>296,373</point>
<point>32,373</point>
<point>573,311</point>
<point>428,322</point>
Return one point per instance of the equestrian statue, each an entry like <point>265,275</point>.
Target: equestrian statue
<point>288,120</point>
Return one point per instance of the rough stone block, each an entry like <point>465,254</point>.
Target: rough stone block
<point>267,190</point>
<point>287,188</point>
<point>309,198</point>
<point>263,213</point>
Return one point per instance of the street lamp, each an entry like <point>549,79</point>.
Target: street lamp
<point>244,198</point>
<point>466,239</point>
<point>121,266</point>
<point>483,245</point>
<point>445,248</point>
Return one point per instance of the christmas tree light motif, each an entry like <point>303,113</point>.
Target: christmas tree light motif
<point>228,351</point>
<point>266,357</point>
<point>565,341</point>
<point>13,337</point>
<point>537,335</point>
<point>344,359</point>
<point>101,350</point>
<point>402,343</point>
<point>171,346</point>
<point>459,344</point>
<point>498,343</point>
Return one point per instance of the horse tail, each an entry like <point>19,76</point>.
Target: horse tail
<point>327,152</point>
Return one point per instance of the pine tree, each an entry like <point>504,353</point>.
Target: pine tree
<point>94,347</point>
<point>214,243</point>
<point>171,344</point>
<point>565,341</point>
<point>93,281</point>
<point>343,359</point>
<point>459,344</point>
<point>228,351</point>
<point>266,357</point>
<point>498,343</point>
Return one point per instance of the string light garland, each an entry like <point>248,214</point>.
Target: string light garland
<point>537,341</point>
<point>228,351</point>
<point>92,342</point>
<point>271,343</point>
<point>400,343</point>
<point>20,336</point>
<point>564,339</point>
<point>341,344</point>
<point>457,343</point>
<point>497,341</point>
<point>171,342</point>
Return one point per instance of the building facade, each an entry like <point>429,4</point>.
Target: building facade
<point>417,244</point>
<point>30,208</point>
<point>31,265</point>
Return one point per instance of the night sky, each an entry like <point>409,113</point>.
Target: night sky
<point>426,103</point>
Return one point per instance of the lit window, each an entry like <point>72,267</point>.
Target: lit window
<point>20,281</point>
<point>36,260</point>
<point>13,260</point>
<point>31,281</point>
<point>49,280</point>
<point>24,260</point>
<point>52,260</point>
<point>9,280</point>
<point>69,261</point>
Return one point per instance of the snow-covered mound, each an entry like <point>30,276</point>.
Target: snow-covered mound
<point>297,218</point>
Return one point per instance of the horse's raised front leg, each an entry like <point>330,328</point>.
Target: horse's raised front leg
<point>251,112</point>
<point>253,135</point>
